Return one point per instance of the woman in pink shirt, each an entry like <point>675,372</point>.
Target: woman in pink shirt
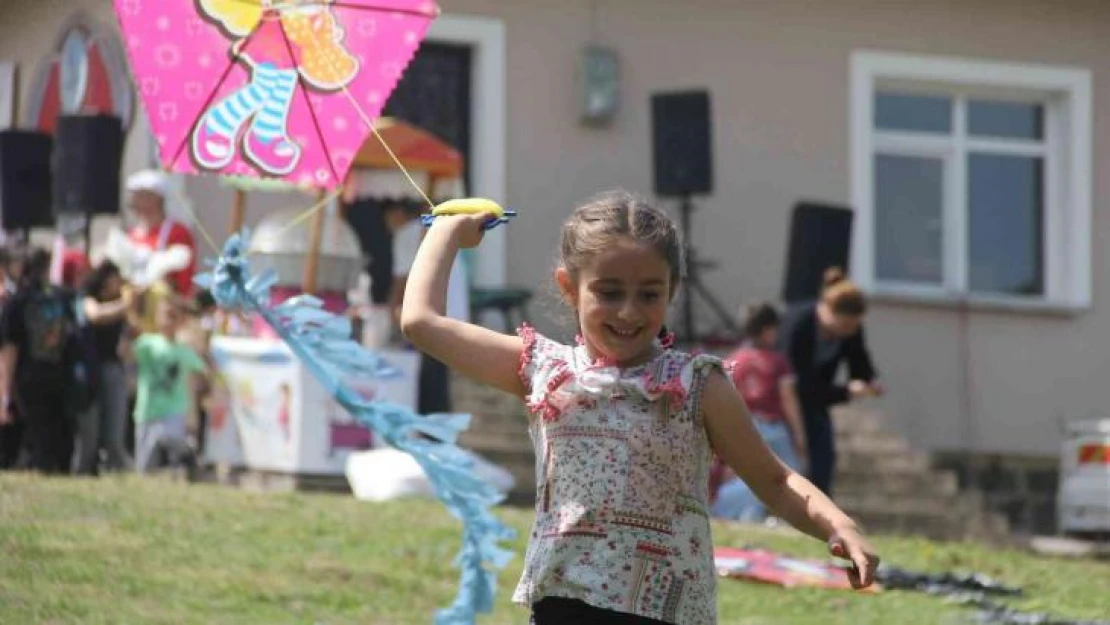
<point>765,380</point>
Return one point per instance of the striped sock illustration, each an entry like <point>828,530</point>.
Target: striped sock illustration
<point>230,114</point>
<point>268,145</point>
<point>271,121</point>
<point>214,138</point>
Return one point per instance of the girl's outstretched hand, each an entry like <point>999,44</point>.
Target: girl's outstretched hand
<point>849,544</point>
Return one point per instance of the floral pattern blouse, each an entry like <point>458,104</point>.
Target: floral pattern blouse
<point>622,464</point>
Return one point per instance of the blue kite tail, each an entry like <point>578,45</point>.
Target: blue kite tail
<point>322,341</point>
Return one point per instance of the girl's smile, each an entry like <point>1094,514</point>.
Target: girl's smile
<point>621,298</point>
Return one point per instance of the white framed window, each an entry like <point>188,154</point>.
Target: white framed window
<point>971,180</point>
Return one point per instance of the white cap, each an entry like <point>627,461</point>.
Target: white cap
<point>148,180</point>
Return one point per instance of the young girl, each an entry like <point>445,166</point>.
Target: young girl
<point>623,427</point>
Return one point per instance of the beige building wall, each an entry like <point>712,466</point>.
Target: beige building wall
<point>779,75</point>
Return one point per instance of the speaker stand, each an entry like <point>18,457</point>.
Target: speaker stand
<point>87,232</point>
<point>694,286</point>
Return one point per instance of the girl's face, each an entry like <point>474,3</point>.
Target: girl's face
<point>621,299</point>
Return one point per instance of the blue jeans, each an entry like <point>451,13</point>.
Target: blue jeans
<point>737,502</point>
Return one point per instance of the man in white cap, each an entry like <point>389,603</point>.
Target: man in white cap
<point>156,231</point>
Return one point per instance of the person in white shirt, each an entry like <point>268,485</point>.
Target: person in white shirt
<point>434,394</point>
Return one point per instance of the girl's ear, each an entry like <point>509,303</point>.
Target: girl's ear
<point>566,286</point>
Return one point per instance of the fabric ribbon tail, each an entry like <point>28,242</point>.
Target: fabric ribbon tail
<point>323,343</point>
<point>445,427</point>
<point>263,282</point>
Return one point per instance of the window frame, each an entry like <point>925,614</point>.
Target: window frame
<point>1066,94</point>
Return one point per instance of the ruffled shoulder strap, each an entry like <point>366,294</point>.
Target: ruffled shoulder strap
<point>542,363</point>
<point>695,374</point>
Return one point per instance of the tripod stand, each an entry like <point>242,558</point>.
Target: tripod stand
<point>693,284</point>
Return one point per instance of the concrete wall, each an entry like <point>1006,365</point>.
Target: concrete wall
<point>779,76</point>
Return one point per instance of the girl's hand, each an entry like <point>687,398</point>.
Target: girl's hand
<point>467,228</point>
<point>849,544</point>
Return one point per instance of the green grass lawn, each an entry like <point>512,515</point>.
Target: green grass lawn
<point>123,550</point>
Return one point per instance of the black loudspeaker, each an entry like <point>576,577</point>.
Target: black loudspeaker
<point>682,135</point>
<point>820,238</point>
<point>88,153</point>
<point>25,180</point>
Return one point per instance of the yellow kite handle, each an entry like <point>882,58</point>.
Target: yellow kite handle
<point>470,206</point>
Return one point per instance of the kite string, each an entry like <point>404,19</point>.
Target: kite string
<point>370,125</point>
<point>183,202</point>
<point>366,120</point>
<point>302,216</point>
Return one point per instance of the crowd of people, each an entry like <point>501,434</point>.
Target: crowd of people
<point>98,366</point>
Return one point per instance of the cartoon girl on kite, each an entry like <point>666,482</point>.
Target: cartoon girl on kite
<point>276,44</point>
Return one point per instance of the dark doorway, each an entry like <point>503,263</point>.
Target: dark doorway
<point>434,94</point>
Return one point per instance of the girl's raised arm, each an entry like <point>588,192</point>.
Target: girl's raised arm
<point>489,357</point>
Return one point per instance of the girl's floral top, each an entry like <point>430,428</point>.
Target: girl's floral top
<point>622,464</point>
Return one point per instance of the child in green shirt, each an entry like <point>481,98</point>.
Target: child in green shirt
<point>164,368</point>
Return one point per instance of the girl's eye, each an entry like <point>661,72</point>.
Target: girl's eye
<point>610,295</point>
<point>650,296</point>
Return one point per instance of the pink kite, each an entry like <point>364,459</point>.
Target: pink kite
<point>768,567</point>
<point>268,88</point>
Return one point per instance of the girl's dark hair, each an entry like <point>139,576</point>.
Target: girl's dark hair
<point>594,225</point>
<point>759,318</point>
<point>98,277</point>
<point>842,295</point>
<point>36,269</point>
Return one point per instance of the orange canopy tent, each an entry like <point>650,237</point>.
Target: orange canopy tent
<point>422,153</point>
<point>415,147</point>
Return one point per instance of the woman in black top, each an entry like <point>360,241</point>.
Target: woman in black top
<point>103,308</point>
<point>817,339</point>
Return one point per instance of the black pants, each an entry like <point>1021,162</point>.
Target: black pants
<point>559,611</point>
<point>11,444</point>
<point>202,429</point>
<point>129,429</point>
<point>49,431</point>
<point>822,448</point>
<point>434,388</point>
